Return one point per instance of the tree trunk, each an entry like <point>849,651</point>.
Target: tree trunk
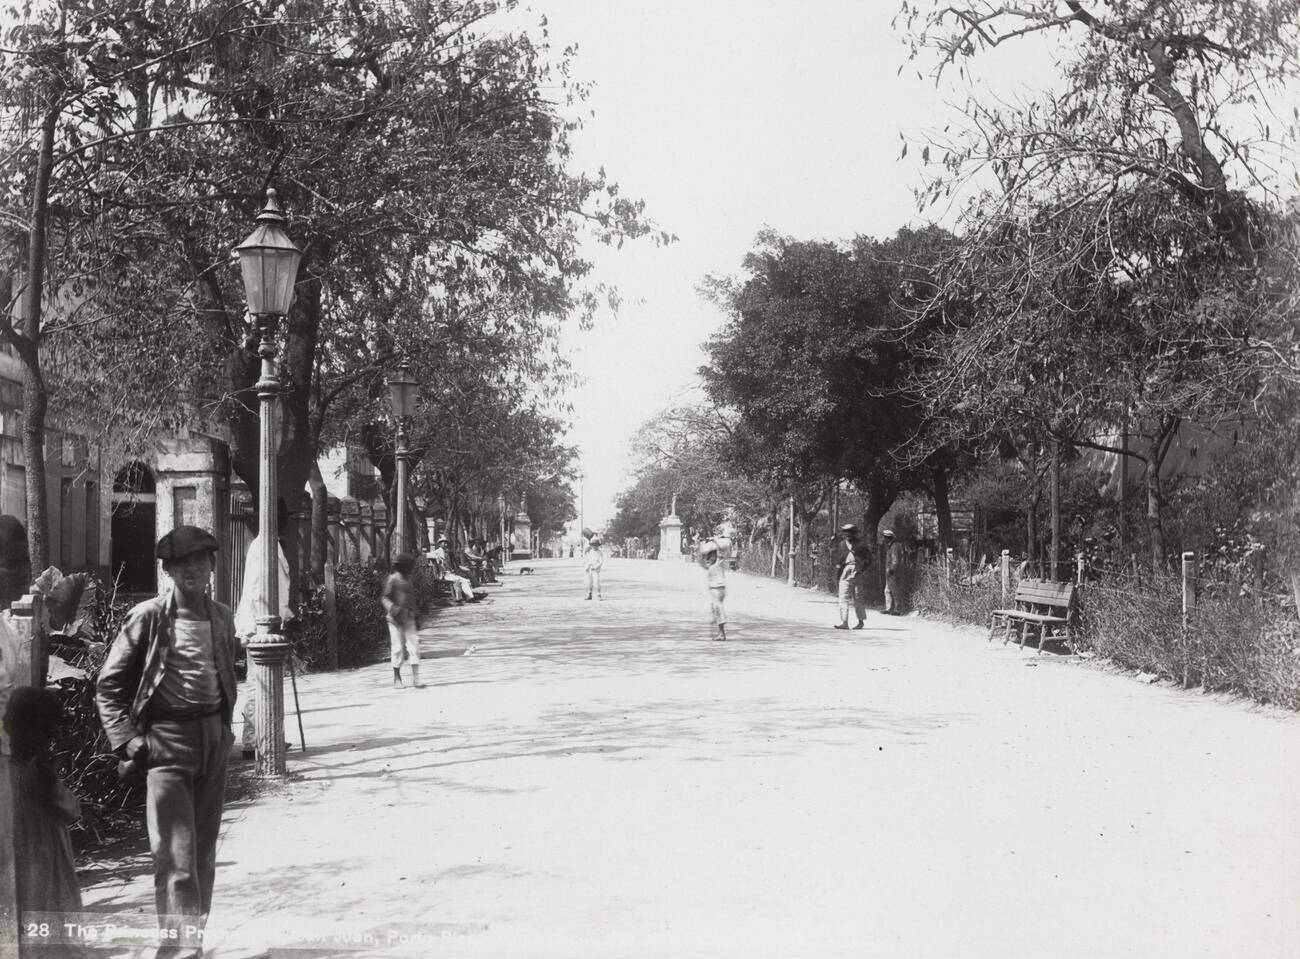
<point>420,530</point>
<point>1121,525</point>
<point>1227,209</point>
<point>1031,532</point>
<point>35,399</point>
<point>881,495</point>
<point>331,617</point>
<point>1161,442</point>
<point>1054,494</point>
<point>1155,519</point>
<point>319,525</point>
<point>776,536</point>
<point>942,507</point>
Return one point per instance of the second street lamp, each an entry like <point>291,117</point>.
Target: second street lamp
<point>269,262</point>
<point>402,386</point>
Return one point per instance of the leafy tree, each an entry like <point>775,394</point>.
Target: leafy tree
<point>75,80</point>
<point>1071,328</point>
<point>1117,273</point>
<point>1174,92</point>
<point>427,168</point>
<point>816,360</point>
<point>678,458</point>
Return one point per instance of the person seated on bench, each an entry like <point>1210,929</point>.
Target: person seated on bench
<point>475,559</point>
<point>445,570</point>
<point>489,570</point>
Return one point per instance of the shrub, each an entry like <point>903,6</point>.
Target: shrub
<point>362,624</point>
<point>1232,644</point>
<point>964,599</point>
<point>81,751</point>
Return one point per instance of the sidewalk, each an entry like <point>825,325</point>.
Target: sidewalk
<point>598,779</point>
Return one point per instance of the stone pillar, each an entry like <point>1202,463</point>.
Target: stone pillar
<point>193,477</point>
<point>670,537</point>
<point>523,541</point>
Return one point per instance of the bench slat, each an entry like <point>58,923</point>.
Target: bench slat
<point>1037,617</point>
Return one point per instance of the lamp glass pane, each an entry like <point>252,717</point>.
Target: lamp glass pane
<point>284,266</point>
<point>397,397</point>
<point>408,397</point>
<point>250,266</point>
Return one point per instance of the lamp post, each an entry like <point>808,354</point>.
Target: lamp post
<point>402,387</point>
<point>269,262</point>
<point>505,549</point>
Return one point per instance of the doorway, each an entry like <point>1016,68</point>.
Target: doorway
<point>134,524</point>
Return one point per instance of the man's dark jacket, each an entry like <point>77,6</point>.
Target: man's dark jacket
<point>134,668</point>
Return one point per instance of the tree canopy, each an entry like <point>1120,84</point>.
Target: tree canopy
<point>422,151</point>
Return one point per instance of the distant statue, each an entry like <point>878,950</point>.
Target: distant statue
<point>15,562</point>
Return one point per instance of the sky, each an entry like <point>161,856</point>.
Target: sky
<point>725,117</point>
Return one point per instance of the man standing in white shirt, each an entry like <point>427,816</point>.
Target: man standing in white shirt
<point>595,560</point>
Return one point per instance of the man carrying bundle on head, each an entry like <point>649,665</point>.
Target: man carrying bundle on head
<point>716,570</point>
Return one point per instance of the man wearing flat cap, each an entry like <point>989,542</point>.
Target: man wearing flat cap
<point>166,695</point>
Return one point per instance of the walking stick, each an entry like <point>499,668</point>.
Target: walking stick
<point>293,681</point>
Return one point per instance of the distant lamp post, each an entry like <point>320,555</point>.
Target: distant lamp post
<point>269,262</point>
<point>505,549</point>
<point>402,387</point>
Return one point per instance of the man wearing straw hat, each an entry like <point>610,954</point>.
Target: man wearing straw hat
<point>851,589</point>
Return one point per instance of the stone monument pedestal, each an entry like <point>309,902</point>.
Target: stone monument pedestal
<point>670,537</point>
<point>522,540</point>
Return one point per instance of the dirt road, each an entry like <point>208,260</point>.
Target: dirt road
<point>598,779</point>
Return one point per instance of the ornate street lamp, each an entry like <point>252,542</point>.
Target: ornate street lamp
<point>269,263</point>
<point>402,386</point>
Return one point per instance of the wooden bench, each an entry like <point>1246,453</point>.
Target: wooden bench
<point>1040,604</point>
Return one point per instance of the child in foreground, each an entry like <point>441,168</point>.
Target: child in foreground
<point>716,571</point>
<point>44,808</point>
<point>403,641</point>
